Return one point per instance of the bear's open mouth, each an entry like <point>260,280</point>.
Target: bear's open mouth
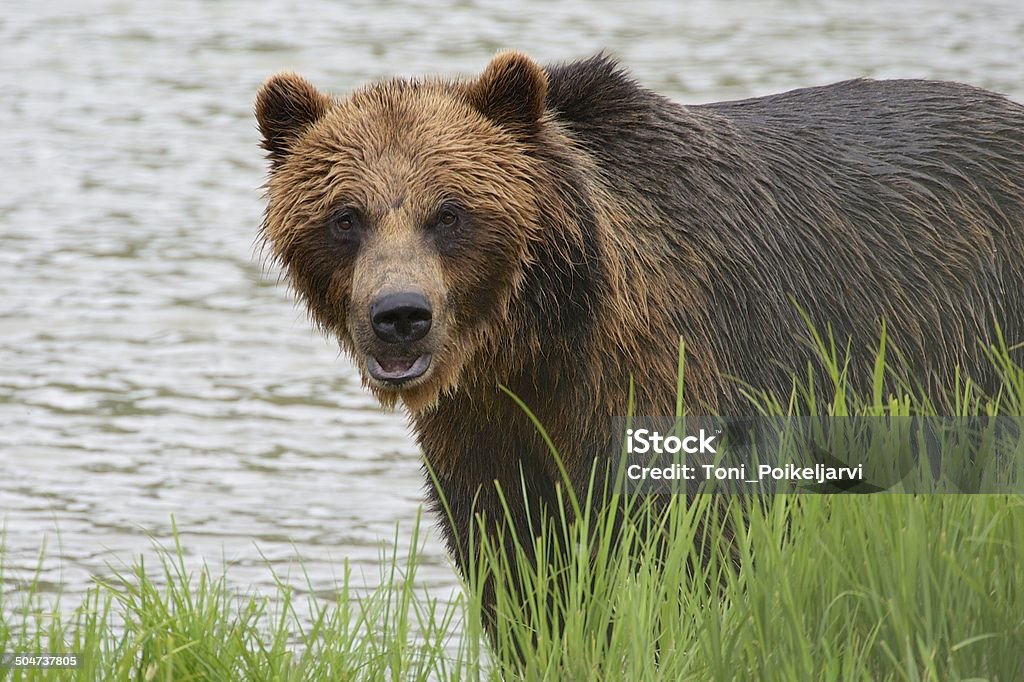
<point>397,370</point>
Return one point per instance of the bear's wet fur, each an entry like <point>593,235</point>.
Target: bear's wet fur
<point>567,227</point>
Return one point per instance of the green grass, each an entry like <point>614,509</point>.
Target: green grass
<point>803,587</point>
<point>169,623</point>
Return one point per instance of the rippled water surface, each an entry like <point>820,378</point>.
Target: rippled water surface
<point>150,365</point>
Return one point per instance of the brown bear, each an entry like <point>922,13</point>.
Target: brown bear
<point>558,230</point>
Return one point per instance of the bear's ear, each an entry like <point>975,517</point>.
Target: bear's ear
<point>511,92</point>
<point>286,105</point>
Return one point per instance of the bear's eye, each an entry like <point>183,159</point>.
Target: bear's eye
<point>448,218</point>
<point>447,226</point>
<point>344,223</point>
<point>448,215</point>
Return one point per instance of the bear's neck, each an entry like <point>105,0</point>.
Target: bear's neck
<point>487,432</point>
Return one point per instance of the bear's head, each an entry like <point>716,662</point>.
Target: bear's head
<point>403,215</point>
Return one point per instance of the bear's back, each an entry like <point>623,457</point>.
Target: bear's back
<point>861,201</point>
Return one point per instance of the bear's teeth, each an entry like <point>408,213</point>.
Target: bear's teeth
<point>392,365</point>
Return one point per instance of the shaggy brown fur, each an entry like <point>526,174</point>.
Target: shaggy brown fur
<point>568,226</point>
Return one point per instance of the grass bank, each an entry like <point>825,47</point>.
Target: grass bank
<point>886,587</point>
<point>802,587</point>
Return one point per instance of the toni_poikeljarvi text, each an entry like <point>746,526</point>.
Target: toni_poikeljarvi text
<point>793,473</point>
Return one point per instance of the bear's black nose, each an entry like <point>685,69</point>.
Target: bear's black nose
<point>401,318</point>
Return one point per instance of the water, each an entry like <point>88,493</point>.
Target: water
<point>149,364</point>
